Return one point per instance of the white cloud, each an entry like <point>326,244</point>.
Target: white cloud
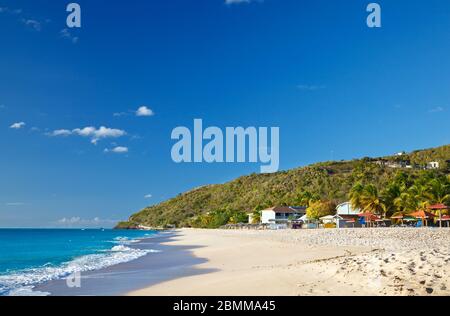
<point>117,150</point>
<point>65,33</point>
<point>72,220</point>
<point>60,132</point>
<point>306,87</point>
<point>31,23</point>
<point>77,221</point>
<point>144,111</point>
<point>148,196</point>
<point>18,125</point>
<point>91,132</point>
<point>10,11</point>
<point>15,204</point>
<point>119,114</point>
<point>34,24</point>
<point>230,2</point>
<point>437,110</point>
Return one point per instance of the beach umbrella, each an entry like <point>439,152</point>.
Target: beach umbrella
<point>439,208</point>
<point>369,217</point>
<point>399,216</point>
<point>424,215</point>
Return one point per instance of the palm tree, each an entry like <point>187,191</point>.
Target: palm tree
<point>417,196</point>
<point>372,201</point>
<point>437,191</point>
<point>389,195</point>
<point>355,195</point>
<point>405,202</point>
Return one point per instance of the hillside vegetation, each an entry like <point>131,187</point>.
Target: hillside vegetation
<point>328,181</point>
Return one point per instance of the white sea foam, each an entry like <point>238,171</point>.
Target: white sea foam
<point>125,240</point>
<point>21,283</point>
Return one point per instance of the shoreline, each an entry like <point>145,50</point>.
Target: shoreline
<point>357,262</point>
<point>162,264</point>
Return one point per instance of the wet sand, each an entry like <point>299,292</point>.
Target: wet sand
<point>170,263</point>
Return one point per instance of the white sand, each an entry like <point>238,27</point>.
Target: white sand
<point>391,261</point>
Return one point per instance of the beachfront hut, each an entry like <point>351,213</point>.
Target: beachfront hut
<point>308,222</point>
<point>348,213</point>
<point>423,215</point>
<point>351,222</point>
<point>438,208</point>
<point>331,220</point>
<point>369,218</point>
<point>446,219</point>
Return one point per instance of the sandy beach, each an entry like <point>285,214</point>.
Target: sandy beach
<point>391,261</point>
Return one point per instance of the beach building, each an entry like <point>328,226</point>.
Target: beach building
<point>332,221</point>
<point>308,223</point>
<point>348,215</point>
<point>281,214</point>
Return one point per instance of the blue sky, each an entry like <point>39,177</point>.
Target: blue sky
<point>336,89</point>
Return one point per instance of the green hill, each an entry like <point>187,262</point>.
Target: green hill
<point>328,181</point>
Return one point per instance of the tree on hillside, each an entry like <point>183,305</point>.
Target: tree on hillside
<point>321,208</point>
<point>306,198</point>
<point>402,179</point>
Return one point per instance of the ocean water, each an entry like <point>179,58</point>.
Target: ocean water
<point>32,256</point>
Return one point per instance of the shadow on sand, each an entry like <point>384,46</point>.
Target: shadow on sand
<point>170,263</point>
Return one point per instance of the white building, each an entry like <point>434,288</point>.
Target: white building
<point>433,165</point>
<point>348,216</point>
<point>347,209</point>
<point>331,219</point>
<point>281,214</point>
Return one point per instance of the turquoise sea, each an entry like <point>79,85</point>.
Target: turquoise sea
<point>32,256</point>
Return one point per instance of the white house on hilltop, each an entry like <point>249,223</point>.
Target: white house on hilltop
<point>433,165</point>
